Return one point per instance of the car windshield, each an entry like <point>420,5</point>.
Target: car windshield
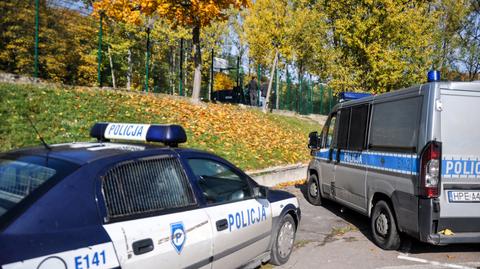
<point>21,177</point>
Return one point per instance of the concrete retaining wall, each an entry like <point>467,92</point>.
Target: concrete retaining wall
<point>276,175</point>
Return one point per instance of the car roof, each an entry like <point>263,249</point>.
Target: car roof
<point>86,152</point>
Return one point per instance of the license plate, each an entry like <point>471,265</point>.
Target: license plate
<point>463,196</point>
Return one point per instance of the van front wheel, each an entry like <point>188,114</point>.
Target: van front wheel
<point>384,227</point>
<point>313,190</point>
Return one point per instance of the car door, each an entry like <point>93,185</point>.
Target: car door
<point>152,216</point>
<point>326,157</point>
<point>241,224</point>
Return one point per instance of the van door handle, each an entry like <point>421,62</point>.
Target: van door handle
<point>337,156</point>
<point>142,246</point>
<point>222,224</point>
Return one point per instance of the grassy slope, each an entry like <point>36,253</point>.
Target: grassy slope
<point>248,138</point>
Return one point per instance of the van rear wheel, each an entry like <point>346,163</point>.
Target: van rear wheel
<point>384,227</point>
<point>313,190</point>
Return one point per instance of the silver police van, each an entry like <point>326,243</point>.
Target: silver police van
<point>408,159</point>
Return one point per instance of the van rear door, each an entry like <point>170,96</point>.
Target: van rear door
<point>460,129</point>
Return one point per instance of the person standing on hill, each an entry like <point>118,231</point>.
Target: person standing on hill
<point>253,90</point>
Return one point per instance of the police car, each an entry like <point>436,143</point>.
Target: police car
<point>137,205</point>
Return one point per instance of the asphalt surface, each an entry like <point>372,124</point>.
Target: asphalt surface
<point>330,236</point>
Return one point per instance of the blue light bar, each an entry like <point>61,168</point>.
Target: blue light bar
<point>346,96</point>
<point>433,75</point>
<point>170,135</point>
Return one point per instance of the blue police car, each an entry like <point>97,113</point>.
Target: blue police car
<point>137,205</point>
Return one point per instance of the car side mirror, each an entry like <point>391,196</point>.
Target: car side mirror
<point>313,141</point>
<point>260,192</point>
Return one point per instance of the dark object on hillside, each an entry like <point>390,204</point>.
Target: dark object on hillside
<point>234,96</point>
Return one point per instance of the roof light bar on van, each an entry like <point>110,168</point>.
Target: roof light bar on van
<point>433,75</point>
<point>347,96</point>
<point>430,161</point>
<point>170,135</point>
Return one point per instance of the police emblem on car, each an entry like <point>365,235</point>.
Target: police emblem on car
<point>114,203</point>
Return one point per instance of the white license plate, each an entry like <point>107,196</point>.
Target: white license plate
<point>463,196</point>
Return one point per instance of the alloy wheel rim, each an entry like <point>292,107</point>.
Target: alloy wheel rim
<point>381,224</point>
<point>285,239</point>
<point>313,189</point>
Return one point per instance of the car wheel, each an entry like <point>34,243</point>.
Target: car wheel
<point>313,190</point>
<point>384,227</point>
<point>283,244</point>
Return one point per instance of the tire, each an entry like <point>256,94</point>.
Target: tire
<point>284,238</point>
<point>384,227</point>
<point>313,190</point>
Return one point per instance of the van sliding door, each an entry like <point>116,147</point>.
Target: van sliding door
<point>350,173</point>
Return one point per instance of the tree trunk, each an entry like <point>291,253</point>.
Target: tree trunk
<point>197,79</point>
<point>129,71</point>
<point>112,70</point>
<point>270,82</point>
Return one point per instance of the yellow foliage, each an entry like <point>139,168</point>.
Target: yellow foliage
<point>222,82</point>
<point>195,13</point>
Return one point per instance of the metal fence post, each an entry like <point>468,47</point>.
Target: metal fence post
<point>275,89</point>
<point>321,99</point>
<point>99,53</point>
<point>312,94</point>
<point>300,97</point>
<point>259,74</point>
<point>289,105</point>
<point>180,83</point>
<point>211,77</point>
<point>37,10</point>
<point>329,100</point>
<point>147,60</point>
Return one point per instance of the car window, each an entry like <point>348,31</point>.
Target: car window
<point>218,182</point>
<point>146,186</point>
<point>21,177</point>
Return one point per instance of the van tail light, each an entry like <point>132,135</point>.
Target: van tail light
<point>430,162</point>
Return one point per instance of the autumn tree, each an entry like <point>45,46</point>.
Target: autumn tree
<point>267,28</point>
<point>194,14</point>
<point>380,46</point>
<point>467,56</point>
<point>66,42</point>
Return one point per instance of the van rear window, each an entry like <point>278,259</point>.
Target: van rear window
<point>395,125</point>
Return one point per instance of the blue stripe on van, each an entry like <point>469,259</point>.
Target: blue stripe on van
<point>399,163</point>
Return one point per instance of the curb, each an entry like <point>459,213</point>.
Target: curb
<point>279,174</point>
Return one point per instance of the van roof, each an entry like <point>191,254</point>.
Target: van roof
<point>469,86</point>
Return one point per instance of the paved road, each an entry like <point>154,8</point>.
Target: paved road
<point>332,237</point>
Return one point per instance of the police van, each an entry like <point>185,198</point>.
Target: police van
<point>408,159</point>
<point>137,205</point>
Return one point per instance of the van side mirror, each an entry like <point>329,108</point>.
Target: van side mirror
<point>313,141</point>
<point>260,192</point>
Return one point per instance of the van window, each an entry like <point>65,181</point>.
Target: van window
<point>395,125</point>
<point>358,127</point>
<point>329,132</point>
<point>343,128</point>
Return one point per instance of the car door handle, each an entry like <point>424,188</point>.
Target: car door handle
<point>142,246</point>
<point>222,224</point>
